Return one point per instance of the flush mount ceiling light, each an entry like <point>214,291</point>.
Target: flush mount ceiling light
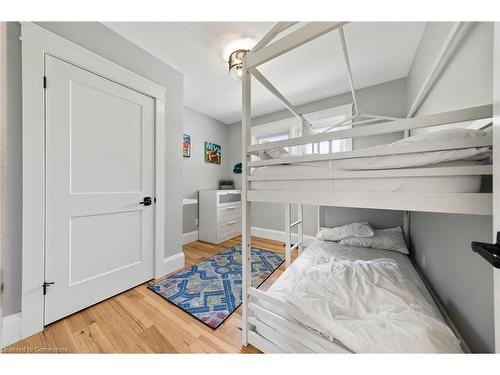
<point>234,53</point>
<point>236,64</point>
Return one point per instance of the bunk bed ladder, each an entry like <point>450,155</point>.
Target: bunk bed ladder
<point>289,231</point>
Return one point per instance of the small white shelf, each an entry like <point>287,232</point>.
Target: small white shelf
<point>188,201</point>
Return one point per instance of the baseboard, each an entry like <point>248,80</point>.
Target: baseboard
<point>173,263</point>
<point>278,235</point>
<point>11,329</point>
<point>189,237</point>
<point>256,231</point>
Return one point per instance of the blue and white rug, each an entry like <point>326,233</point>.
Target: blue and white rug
<point>211,290</point>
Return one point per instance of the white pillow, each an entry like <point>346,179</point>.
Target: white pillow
<point>443,135</point>
<point>263,155</point>
<point>384,239</point>
<point>345,231</point>
<point>276,153</point>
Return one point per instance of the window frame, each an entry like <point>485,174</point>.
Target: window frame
<point>293,126</point>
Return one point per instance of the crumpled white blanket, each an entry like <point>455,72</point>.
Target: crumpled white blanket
<point>369,306</point>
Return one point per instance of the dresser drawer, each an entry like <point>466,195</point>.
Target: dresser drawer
<point>229,198</point>
<point>228,230</point>
<point>230,213</point>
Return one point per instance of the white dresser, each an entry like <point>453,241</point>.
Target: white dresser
<point>220,215</point>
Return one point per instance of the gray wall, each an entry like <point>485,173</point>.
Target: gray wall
<point>462,279</point>
<point>441,242</point>
<point>378,219</point>
<point>467,80</point>
<point>197,174</point>
<point>385,99</point>
<point>106,43</point>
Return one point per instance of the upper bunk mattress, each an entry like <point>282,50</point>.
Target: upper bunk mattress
<point>317,174</point>
<point>422,331</point>
<point>434,184</point>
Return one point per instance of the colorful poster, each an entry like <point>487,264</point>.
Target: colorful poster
<point>186,146</point>
<point>212,153</point>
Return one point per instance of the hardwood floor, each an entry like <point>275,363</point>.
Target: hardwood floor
<point>140,321</point>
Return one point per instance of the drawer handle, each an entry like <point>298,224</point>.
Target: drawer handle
<point>231,222</point>
<point>231,208</point>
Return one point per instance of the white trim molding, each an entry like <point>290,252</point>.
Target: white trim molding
<point>172,263</point>
<point>36,44</point>
<point>189,237</point>
<point>11,329</point>
<point>3,122</point>
<point>55,45</point>
<point>496,178</point>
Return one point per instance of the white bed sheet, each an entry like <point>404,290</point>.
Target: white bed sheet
<point>281,286</point>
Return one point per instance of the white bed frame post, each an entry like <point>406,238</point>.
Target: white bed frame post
<point>289,231</point>
<point>406,227</point>
<point>246,239</point>
<point>288,234</point>
<point>300,228</point>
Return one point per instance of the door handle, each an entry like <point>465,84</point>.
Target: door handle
<point>45,285</point>
<point>147,201</point>
<point>489,251</point>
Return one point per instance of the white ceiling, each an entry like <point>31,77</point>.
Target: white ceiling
<point>379,52</point>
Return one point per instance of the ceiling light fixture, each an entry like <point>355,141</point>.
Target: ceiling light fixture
<point>234,53</point>
<point>236,64</point>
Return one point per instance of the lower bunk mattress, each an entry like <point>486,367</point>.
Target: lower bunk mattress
<point>361,299</point>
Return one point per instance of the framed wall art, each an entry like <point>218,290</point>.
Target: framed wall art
<point>186,146</point>
<point>212,153</point>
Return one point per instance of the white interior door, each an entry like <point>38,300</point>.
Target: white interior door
<point>100,166</point>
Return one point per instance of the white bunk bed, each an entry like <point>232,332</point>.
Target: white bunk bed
<point>445,177</point>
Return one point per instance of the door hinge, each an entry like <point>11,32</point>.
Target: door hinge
<point>45,285</point>
<point>44,82</point>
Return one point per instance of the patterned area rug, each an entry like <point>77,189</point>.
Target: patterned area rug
<point>211,290</point>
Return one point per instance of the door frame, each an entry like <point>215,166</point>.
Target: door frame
<point>496,176</point>
<point>36,44</point>
<point>3,123</point>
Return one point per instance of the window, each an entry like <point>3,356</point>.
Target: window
<point>292,127</point>
<point>271,138</point>
<point>326,124</point>
<point>337,145</point>
<point>275,131</point>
